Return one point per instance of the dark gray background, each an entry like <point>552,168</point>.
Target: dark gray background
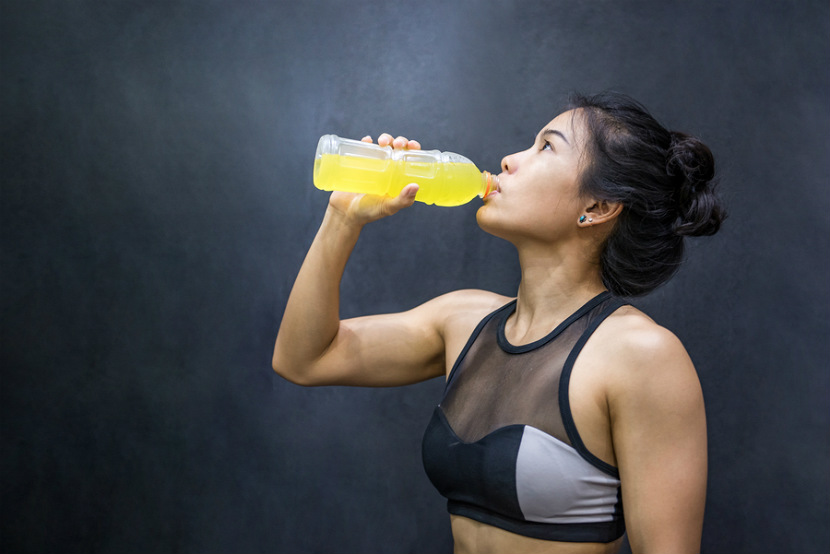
<point>157,204</point>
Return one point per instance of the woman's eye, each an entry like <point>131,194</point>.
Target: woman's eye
<point>546,146</point>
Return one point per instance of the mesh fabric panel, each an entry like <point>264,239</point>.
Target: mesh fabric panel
<point>496,384</point>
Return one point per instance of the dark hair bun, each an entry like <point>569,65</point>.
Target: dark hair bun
<point>691,164</point>
<point>665,182</point>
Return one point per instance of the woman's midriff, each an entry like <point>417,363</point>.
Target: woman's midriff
<point>473,537</point>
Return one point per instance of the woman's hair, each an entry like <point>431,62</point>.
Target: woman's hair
<point>664,180</point>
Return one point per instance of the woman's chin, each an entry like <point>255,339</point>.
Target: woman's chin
<point>490,224</point>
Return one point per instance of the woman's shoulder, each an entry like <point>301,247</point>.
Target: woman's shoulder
<point>460,312</point>
<point>469,304</point>
<point>629,329</point>
<point>473,299</point>
<point>648,357</point>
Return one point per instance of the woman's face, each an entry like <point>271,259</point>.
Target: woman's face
<point>538,188</point>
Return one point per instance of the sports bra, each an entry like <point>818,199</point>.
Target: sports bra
<point>502,446</point>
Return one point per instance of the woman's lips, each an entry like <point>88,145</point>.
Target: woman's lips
<point>495,186</point>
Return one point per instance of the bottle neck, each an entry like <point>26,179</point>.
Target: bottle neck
<point>489,183</point>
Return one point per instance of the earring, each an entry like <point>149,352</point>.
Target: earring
<point>590,220</point>
<point>582,219</point>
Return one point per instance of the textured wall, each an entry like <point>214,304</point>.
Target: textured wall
<point>156,206</point>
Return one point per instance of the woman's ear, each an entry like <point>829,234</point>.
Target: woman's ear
<point>600,212</point>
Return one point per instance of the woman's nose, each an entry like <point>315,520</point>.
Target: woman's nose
<point>508,163</point>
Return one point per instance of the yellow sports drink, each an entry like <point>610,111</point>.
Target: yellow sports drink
<point>444,178</point>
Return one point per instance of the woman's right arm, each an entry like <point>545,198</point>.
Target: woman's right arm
<point>314,347</point>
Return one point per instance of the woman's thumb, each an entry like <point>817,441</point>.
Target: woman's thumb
<point>405,199</point>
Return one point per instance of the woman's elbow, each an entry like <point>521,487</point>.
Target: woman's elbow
<point>293,374</point>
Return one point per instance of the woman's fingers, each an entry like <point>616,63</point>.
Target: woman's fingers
<point>397,142</point>
<point>403,142</point>
<point>385,139</point>
<point>400,142</point>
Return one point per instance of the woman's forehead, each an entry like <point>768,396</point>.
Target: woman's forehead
<point>571,123</point>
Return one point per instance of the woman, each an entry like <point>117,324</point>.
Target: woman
<point>564,404</point>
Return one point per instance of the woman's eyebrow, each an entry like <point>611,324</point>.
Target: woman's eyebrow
<point>548,132</point>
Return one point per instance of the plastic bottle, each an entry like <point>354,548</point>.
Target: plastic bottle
<point>444,178</point>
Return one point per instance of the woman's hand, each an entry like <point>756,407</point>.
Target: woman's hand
<point>360,209</point>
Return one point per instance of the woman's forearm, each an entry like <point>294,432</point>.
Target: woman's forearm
<point>312,314</point>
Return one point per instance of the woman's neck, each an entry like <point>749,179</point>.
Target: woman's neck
<point>553,287</point>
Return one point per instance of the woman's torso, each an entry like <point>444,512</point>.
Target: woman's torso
<point>589,409</point>
<point>473,537</point>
